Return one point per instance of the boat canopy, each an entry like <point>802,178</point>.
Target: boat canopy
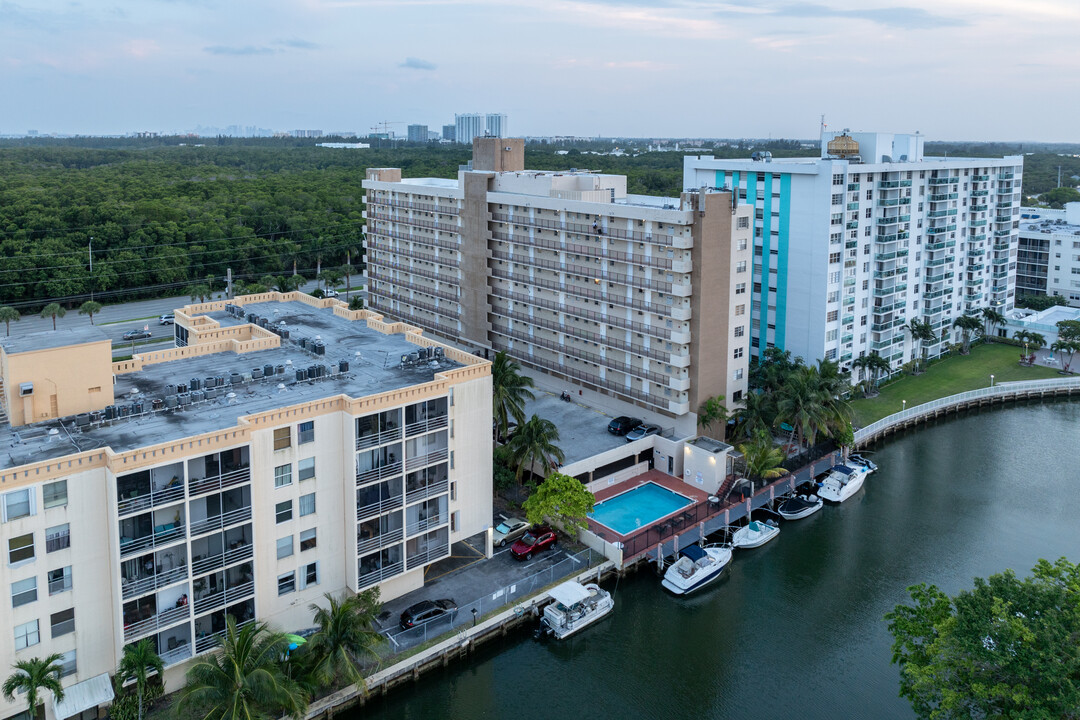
<point>844,469</point>
<point>569,593</point>
<point>693,552</point>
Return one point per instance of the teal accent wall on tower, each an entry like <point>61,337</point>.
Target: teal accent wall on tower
<point>766,258</point>
<point>720,176</point>
<point>782,264</point>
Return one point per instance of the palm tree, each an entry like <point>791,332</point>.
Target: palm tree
<point>993,319</point>
<point>534,442</point>
<point>200,291</point>
<point>877,366</point>
<point>968,324</point>
<point>1066,348</point>
<point>330,277</point>
<point>862,364</point>
<point>756,414</point>
<point>9,315</point>
<point>53,310</point>
<point>509,392</point>
<point>803,405</point>
<point>1036,340</point>
<point>244,680</point>
<point>343,638</point>
<point>138,660</point>
<point>90,308</point>
<point>762,458</point>
<point>712,412</point>
<point>920,331</point>
<point>31,677</point>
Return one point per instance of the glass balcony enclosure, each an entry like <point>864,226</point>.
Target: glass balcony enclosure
<point>149,488</point>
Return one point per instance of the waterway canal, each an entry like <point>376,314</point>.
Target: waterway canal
<point>796,631</point>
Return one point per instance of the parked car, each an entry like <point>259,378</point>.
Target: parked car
<point>509,530</point>
<point>623,424</point>
<point>642,430</point>
<point>532,542</point>
<point>166,319</point>
<point>136,334</point>
<point>427,610</point>
<point>331,292</point>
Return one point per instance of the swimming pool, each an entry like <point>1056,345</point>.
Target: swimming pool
<point>637,508</point>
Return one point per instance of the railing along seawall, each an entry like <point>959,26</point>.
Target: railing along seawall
<point>998,393</point>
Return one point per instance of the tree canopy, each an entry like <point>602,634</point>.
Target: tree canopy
<point>1007,648</point>
<point>560,499</point>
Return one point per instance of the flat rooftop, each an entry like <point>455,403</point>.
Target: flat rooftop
<point>375,366</point>
<point>582,430</point>
<point>709,444</point>
<point>46,339</point>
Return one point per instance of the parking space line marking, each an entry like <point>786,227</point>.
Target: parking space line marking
<point>478,552</point>
<point>426,579</point>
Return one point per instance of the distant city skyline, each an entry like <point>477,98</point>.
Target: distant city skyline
<point>952,69</point>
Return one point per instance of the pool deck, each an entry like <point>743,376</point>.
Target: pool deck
<point>668,482</point>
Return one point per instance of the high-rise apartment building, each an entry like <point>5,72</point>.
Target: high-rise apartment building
<point>850,247</point>
<point>417,133</point>
<point>495,125</point>
<point>449,133</point>
<point>1049,258</point>
<point>287,447</point>
<point>468,126</point>
<point>644,299</point>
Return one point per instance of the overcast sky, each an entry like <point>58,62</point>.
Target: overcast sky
<point>953,69</point>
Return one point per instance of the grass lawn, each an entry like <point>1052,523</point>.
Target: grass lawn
<point>956,374</point>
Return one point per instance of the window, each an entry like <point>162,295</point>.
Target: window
<point>741,244</point>
<point>283,511</point>
<point>21,548</point>
<point>283,475</point>
<point>55,494</point>
<point>59,580</point>
<point>834,257</point>
<point>833,296</point>
<point>18,504</point>
<point>68,664</point>
<point>307,539</point>
<point>736,396</point>
<point>738,353</point>
<point>740,330</point>
<point>830,335</point>
<point>62,622</point>
<point>23,591</point>
<point>27,634</point>
<point>742,223</point>
<point>837,179</point>
<point>286,584</point>
<point>740,288</point>
<point>306,469</point>
<point>834,276</point>
<point>57,537</point>
<point>282,438</point>
<point>309,575</point>
<point>284,547</point>
<point>739,374</point>
<point>831,317</point>
<point>836,238</point>
<point>838,198</point>
<point>307,504</point>
<point>740,310</point>
<point>740,267</point>
<point>306,432</point>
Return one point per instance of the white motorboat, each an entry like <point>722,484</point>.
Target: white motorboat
<point>796,507</point>
<point>575,607</point>
<point>755,534</point>
<point>841,483</point>
<point>695,568</point>
<point>864,461</point>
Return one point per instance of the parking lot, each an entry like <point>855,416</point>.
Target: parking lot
<point>582,429</point>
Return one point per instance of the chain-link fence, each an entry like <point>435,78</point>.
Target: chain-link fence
<point>470,613</point>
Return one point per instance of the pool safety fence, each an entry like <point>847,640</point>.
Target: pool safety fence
<point>469,613</point>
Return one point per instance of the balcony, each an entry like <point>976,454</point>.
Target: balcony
<point>162,535</point>
<point>222,596</point>
<point>940,230</point>
<point>375,439</point>
<point>893,184</point>
<point>940,245</point>
<point>227,479</point>
<point>160,621</point>
<point>585,229</point>
<point>426,425</point>
<point>979,208</point>
<point>853,206</point>
<point>975,252</point>
<point>384,539</point>
<point>975,267</point>
<point>217,522</point>
<point>893,220</point>
<point>143,582</point>
<point>938,181</point>
<point>941,213</point>
<point>893,202</point>
<point>852,225</point>
<point>1006,176</point>
<point>853,187</point>
<point>1000,261</point>
<point>420,461</point>
<point>570,288</point>
<point>202,565</point>
<point>979,193</point>
<point>980,178</point>
<point>943,197</point>
<point>390,469</point>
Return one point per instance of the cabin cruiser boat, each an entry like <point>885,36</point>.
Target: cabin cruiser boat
<point>842,482</point>
<point>755,534</point>
<point>575,607</point>
<point>696,567</point>
<point>796,507</point>
<point>864,461</point>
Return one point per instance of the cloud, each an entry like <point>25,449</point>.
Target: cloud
<point>298,44</point>
<point>417,64</point>
<point>907,18</point>
<point>245,50</point>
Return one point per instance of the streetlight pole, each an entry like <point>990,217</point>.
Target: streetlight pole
<point>904,406</point>
<point>90,254</point>
<point>991,381</point>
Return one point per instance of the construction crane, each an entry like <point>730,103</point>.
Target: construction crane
<point>384,128</point>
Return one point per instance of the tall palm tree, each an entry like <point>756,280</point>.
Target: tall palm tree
<point>534,442</point>
<point>1066,348</point>
<point>53,310</point>
<point>920,331</point>
<point>878,366</point>
<point>968,324</point>
<point>1036,340</point>
<point>31,677</point>
<point>712,412</point>
<point>509,392</point>
<point>756,414</point>
<point>993,319</point>
<point>9,315</point>
<point>200,291</point>
<point>244,680</point>
<point>802,404</point>
<point>862,364</point>
<point>343,638</point>
<point>762,458</point>
<point>330,277</point>
<point>138,660</point>
<point>90,308</point>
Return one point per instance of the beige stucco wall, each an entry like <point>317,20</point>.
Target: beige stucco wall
<point>77,377</point>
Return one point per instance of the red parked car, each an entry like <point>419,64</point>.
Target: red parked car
<point>537,539</point>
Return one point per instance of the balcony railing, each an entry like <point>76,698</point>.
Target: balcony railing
<point>387,470</point>
<point>418,239</point>
<point>596,292</point>
<point>450,262</point>
<point>944,181</point>
<point>145,585</point>
<point>155,539</point>
<point>426,207</point>
<point>223,597</point>
<point>220,521</point>
<point>590,272</point>
<point>428,523</point>
<point>226,479</point>
<point>426,491</point>
<point>384,539</point>
<point>375,273</point>
<point>943,197</point>
<point>210,563</point>
<point>583,229</point>
<point>378,507</point>
<point>592,251</point>
<point>426,459</point>
<point>428,556</point>
<point>155,498</point>
<point>373,576</point>
<point>423,426</point>
<point>371,440</point>
<point>162,620</point>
